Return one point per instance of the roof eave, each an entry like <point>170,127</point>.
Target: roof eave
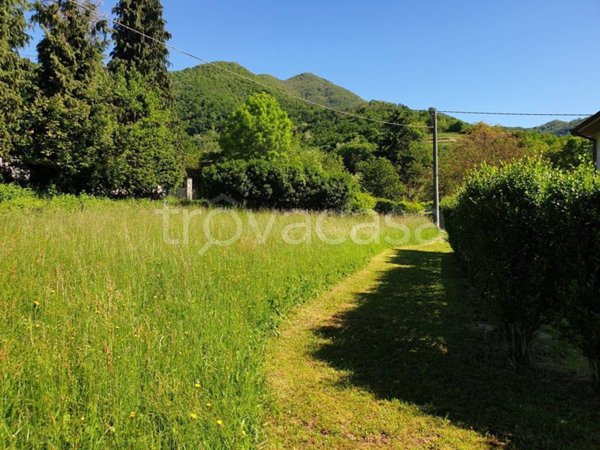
<point>580,130</point>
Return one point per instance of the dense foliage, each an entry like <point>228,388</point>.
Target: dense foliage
<point>206,95</point>
<point>13,82</point>
<point>69,121</point>
<point>277,184</point>
<point>483,144</point>
<point>528,236</point>
<point>494,146</point>
<point>258,128</point>
<point>379,177</point>
<point>86,130</point>
<point>356,151</point>
<point>147,55</point>
<point>146,161</point>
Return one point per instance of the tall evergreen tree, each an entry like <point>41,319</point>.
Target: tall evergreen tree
<point>70,121</point>
<point>13,36</point>
<point>149,56</point>
<point>70,54</point>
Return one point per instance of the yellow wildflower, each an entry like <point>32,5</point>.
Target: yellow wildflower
<point>219,422</point>
<point>193,416</point>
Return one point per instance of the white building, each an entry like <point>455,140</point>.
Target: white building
<point>590,129</point>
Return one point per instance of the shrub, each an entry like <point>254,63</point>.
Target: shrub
<point>385,206</point>
<point>363,203</point>
<point>12,191</point>
<point>355,152</point>
<point>277,184</point>
<point>496,227</point>
<point>409,207</point>
<point>573,214</point>
<point>529,237</point>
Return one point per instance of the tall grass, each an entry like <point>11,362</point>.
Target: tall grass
<point>112,338</point>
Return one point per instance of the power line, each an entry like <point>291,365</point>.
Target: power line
<point>515,114</point>
<point>242,76</point>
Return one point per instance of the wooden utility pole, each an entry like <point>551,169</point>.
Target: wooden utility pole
<point>436,180</point>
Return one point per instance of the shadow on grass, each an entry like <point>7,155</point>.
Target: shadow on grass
<point>414,339</point>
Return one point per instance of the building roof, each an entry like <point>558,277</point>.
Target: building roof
<point>589,128</point>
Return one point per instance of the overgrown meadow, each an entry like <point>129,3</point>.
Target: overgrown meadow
<point>112,335</point>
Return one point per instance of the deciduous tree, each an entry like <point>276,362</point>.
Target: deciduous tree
<point>379,177</point>
<point>483,144</point>
<point>258,129</point>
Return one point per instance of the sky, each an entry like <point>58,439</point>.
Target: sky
<point>468,55</point>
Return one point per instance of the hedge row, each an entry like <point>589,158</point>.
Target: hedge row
<point>386,206</point>
<point>529,237</point>
<point>275,184</point>
<point>17,198</point>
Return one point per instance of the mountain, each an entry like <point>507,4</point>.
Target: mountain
<point>558,127</point>
<point>207,94</point>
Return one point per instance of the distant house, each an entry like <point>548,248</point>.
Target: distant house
<point>590,129</point>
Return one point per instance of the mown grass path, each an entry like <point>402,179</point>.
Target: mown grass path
<point>390,359</point>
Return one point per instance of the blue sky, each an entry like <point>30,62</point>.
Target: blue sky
<point>483,55</point>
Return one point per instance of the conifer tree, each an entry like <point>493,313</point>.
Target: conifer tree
<point>13,76</point>
<point>69,121</point>
<point>70,54</point>
<point>135,51</point>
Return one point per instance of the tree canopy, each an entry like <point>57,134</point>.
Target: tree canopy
<point>13,77</point>
<point>148,55</point>
<point>259,128</point>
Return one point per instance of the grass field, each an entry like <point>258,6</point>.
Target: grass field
<point>392,358</point>
<point>111,337</point>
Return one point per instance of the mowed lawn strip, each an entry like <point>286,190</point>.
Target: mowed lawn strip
<point>391,358</point>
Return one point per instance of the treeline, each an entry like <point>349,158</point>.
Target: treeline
<point>494,146</point>
<point>261,161</point>
<point>528,237</point>
<point>390,164</point>
<point>73,124</point>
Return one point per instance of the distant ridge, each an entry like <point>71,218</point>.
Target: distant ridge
<point>558,127</point>
<point>205,94</point>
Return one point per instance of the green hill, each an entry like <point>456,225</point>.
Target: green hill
<point>324,92</point>
<point>207,94</point>
<point>558,127</point>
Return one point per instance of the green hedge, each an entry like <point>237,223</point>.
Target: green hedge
<point>276,184</point>
<point>385,206</point>
<point>16,198</point>
<point>529,237</point>
<point>10,192</point>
